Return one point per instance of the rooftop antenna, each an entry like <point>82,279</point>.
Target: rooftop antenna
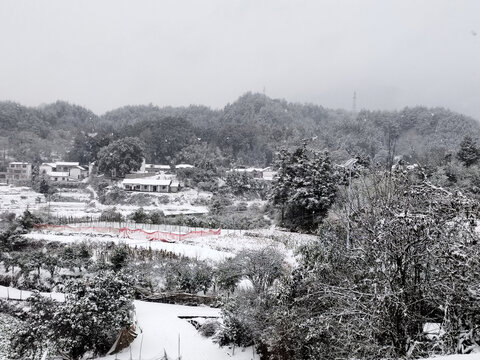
<point>354,104</point>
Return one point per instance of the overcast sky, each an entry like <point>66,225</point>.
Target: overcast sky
<point>103,54</point>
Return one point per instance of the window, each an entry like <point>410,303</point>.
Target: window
<point>24,166</point>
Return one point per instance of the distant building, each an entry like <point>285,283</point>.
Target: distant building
<point>258,173</point>
<point>58,176</point>
<point>154,168</point>
<point>174,186</point>
<point>184,166</point>
<point>148,185</point>
<point>73,169</point>
<point>19,171</point>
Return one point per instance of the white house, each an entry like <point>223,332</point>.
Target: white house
<point>58,176</point>
<point>78,173</point>
<point>46,168</point>
<point>19,171</point>
<point>174,186</point>
<point>73,169</point>
<point>155,168</point>
<point>147,185</point>
<point>257,173</point>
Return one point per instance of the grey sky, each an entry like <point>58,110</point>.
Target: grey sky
<point>104,54</point>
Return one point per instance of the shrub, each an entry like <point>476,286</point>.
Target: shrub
<point>140,216</point>
<point>88,320</point>
<point>209,328</point>
<point>189,276</point>
<point>111,214</point>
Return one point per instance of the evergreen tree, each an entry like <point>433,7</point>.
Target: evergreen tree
<point>469,153</point>
<point>44,187</point>
<point>305,188</point>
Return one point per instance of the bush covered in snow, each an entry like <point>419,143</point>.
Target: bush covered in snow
<point>90,318</point>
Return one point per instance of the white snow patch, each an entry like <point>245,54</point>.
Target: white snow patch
<point>198,251</point>
<point>160,328</point>
<point>16,294</point>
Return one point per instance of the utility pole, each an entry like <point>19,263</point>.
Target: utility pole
<point>354,103</point>
<point>349,165</point>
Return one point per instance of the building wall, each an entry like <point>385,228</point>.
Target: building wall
<point>58,179</point>
<point>148,188</point>
<point>75,174</point>
<point>19,172</point>
<point>44,168</point>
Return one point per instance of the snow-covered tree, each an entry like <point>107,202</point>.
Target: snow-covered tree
<point>93,313</point>
<point>304,189</point>
<point>469,153</point>
<point>90,318</point>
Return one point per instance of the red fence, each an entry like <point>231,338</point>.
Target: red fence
<point>124,232</point>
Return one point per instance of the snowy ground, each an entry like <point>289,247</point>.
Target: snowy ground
<point>182,249</point>
<point>215,248</point>
<point>16,294</point>
<point>17,199</point>
<point>159,328</point>
<point>475,356</point>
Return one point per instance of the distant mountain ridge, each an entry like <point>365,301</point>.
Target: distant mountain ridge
<point>248,131</point>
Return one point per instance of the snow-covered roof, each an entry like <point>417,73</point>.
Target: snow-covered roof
<point>66,163</point>
<point>18,163</point>
<point>156,166</point>
<point>52,165</point>
<point>248,170</point>
<point>81,168</point>
<point>58,173</point>
<point>349,163</point>
<point>184,166</point>
<point>147,181</point>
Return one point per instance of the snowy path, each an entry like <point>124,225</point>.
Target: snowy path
<point>161,328</point>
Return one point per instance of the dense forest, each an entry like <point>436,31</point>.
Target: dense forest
<point>248,131</point>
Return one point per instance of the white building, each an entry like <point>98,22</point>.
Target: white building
<point>19,171</point>
<point>73,169</point>
<point>148,185</point>
<point>58,176</point>
<point>258,173</point>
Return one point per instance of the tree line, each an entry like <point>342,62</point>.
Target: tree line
<point>249,131</point>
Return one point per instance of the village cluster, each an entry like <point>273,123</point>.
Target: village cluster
<point>149,178</point>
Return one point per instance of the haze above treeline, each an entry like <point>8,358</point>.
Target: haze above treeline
<point>246,132</point>
<point>105,54</point>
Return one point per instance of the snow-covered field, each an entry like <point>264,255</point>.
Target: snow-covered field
<point>182,249</point>
<point>215,248</point>
<point>17,199</point>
